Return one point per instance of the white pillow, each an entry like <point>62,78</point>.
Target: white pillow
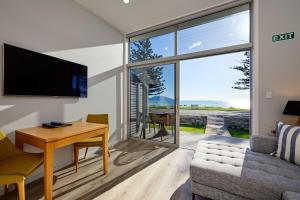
<point>288,143</point>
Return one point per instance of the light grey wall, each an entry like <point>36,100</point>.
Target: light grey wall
<point>141,14</point>
<point>63,29</point>
<point>277,65</point>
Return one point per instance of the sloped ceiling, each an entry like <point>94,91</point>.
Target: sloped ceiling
<point>140,14</point>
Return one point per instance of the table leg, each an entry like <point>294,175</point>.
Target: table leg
<point>21,190</point>
<point>48,170</point>
<point>19,143</point>
<point>105,151</point>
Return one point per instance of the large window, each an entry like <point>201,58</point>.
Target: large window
<point>151,46</point>
<point>152,103</point>
<point>217,88</point>
<point>211,32</point>
<point>211,56</point>
<point>223,29</point>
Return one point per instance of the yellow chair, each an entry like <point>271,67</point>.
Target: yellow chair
<point>16,165</point>
<point>90,142</point>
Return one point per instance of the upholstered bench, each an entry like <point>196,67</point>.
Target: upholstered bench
<point>291,196</point>
<point>226,168</point>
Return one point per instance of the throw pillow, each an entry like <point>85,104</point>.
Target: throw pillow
<point>288,143</point>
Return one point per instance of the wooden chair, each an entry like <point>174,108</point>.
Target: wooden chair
<point>90,142</point>
<point>171,121</point>
<point>16,165</point>
<point>154,119</point>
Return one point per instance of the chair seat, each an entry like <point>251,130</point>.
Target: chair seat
<point>23,164</point>
<point>95,141</point>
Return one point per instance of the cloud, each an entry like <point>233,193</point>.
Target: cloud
<point>195,45</point>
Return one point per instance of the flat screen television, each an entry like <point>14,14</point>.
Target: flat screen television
<point>31,73</point>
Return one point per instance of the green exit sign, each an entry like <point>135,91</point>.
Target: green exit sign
<point>283,36</point>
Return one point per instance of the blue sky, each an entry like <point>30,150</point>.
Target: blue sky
<point>212,78</point>
<point>209,78</point>
<point>227,31</point>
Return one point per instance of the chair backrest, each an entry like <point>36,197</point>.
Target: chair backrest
<point>7,149</point>
<point>154,117</point>
<point>98,118</point>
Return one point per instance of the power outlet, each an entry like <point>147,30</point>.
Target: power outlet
<point>269,95</point>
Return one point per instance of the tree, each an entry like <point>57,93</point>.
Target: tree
<point>140,51</point>
<point>243,83</point>
<point>156,83</point>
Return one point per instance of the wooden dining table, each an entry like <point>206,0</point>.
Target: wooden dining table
<point>50,139</point>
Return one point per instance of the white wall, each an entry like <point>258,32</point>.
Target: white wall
<point>277,65</point>
<point>66,30</point>
<point>105,85</point>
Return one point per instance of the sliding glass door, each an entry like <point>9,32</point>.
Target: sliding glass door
<point>215,90</point>
<point>152,108</point>
<point>214,54</point>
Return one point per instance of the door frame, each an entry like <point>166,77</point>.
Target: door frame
<point>177,102</point>
<point>176,97</point>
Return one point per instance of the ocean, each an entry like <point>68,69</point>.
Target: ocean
<point>166,101</point>
<point>208,103</point>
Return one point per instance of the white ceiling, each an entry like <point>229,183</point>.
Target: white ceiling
<point>140,14</point>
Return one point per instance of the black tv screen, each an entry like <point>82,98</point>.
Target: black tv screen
<point>30,73</point>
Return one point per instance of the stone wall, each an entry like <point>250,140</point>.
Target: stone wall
<point>193,120</point>
<point>237,122</point>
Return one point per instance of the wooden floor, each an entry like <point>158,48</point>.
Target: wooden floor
<point>137,170</point>
<point>166,179</point>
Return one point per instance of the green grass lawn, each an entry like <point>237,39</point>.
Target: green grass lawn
<point>186,128</point>
<point>212,108</point>
<point>239,133</point>
<point>201,130</point>
<point>192,129</point>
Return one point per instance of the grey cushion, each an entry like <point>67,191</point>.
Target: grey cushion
<point>291,196</point>
<point>228,164</point>
<point>214,193</point>
<point>263,143</point>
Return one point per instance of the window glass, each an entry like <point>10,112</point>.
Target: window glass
<point>152,46</point>
<point>152,103</point>
<point>223,29</point>
<point>217,88</point>
<point>228,28</point>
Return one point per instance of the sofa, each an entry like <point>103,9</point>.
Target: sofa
<point>237,169</point>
